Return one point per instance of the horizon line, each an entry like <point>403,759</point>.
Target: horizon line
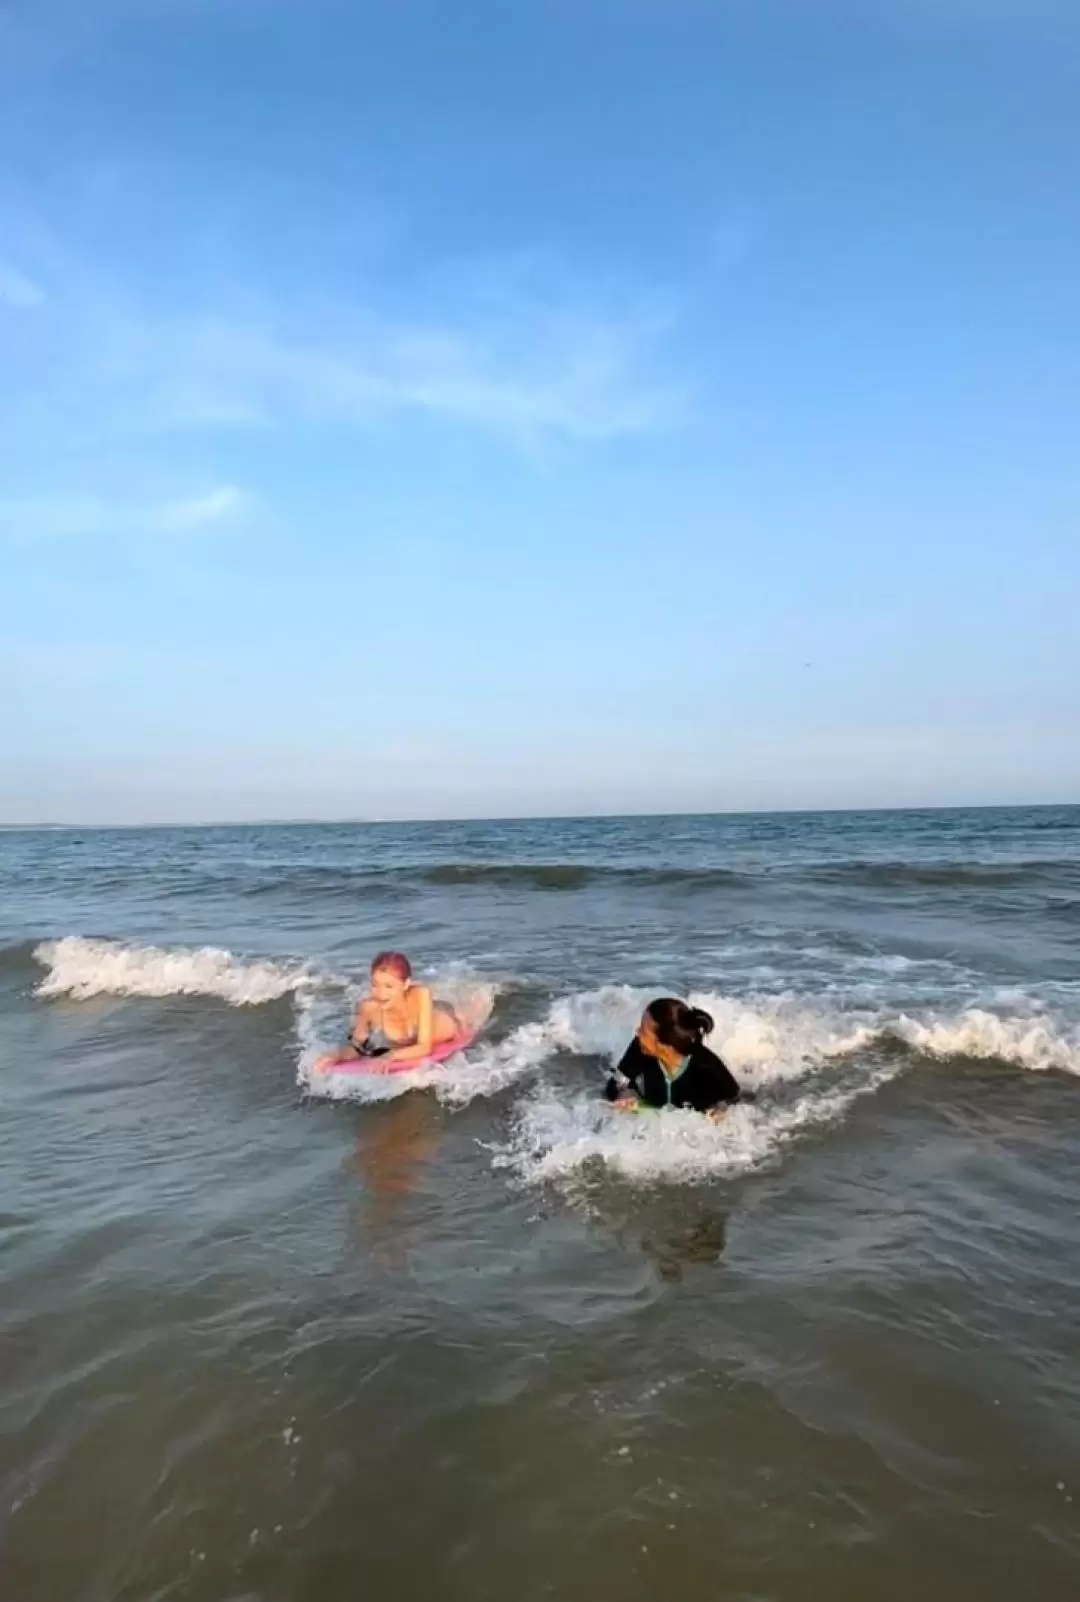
<point>540,817</point>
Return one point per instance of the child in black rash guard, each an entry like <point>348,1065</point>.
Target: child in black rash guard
<point>667,1064</point>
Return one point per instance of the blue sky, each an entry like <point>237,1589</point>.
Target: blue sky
<point>513,406</point>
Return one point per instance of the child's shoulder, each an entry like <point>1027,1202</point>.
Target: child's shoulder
<point>705,1054</point>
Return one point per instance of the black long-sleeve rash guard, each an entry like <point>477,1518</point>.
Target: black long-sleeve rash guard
<point>703,1083</point>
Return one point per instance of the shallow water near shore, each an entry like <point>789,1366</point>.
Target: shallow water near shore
<point>467,1332</point>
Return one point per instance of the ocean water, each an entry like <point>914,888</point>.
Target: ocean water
<point>466,1334</point>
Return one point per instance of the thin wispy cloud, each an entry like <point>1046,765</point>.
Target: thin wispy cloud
<point>199,511</point>
<point>18,290</point>
<point>575,375</point>
<point>79,517</point>
<point>522,353</point>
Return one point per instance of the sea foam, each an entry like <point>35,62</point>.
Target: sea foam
<point>81,968</point>
<point>808,1061</point>
<point>809,1058</point>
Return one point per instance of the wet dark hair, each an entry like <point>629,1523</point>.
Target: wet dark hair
<point>678,1025</point>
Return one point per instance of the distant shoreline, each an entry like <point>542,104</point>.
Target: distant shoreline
<point>549,817</point>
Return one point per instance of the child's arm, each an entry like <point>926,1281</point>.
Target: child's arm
<point>361,1026</point>
<point>359,1032</point>
<point>629,1067</point>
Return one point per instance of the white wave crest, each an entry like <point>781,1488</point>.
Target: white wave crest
<point>1037,1043</point>
<point>762,1038</point>
<point>773,1044</point>
<point>493,1067</point>
<point>767,1040</point>
<point>82,968</point>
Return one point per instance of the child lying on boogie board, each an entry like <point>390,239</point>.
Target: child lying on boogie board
<point>399,1022</point>
<point>667,1064</point>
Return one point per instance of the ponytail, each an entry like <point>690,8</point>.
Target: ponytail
<point>677,1025</point>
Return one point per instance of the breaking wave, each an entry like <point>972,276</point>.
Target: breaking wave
<point>561,1140</point>
<point>807,1062</point>
<point>81,968</point>
<point>808,1058</point>
<point>1039,1043</point>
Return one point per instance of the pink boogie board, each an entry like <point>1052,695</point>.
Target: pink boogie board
<point>379,1065</point>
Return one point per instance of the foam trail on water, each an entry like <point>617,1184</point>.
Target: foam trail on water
<point>490,1068</point>
<point>557,1140</point>
<point>82,968</point>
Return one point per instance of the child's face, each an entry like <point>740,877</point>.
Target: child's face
<point>386,987</point>
<point>653,1046</point>
<point>647,1037</point>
